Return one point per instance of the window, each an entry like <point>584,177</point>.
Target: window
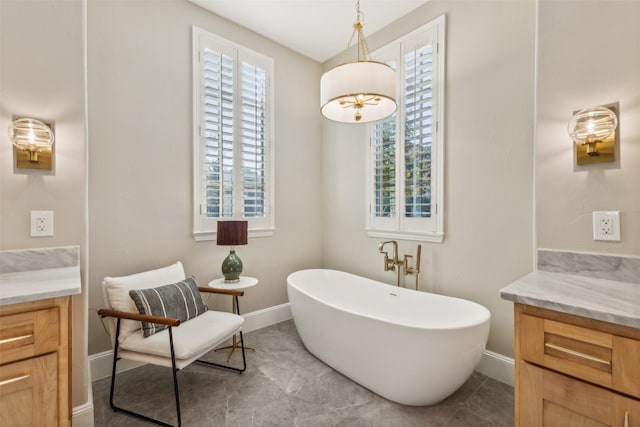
<point>405,155</point>
<point>233,142</point>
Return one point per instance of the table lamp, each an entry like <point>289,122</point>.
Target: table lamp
<point>232,233</point>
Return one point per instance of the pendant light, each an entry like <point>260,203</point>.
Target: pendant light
<point>360,91</point>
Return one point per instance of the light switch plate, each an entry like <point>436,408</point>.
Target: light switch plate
<point>606,225</point>
<point>41,223</point>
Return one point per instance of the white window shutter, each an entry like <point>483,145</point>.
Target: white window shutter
<point>410,140</point>
<point>418,106</point>
<point>384,147</point>
<point>218,133</point>
<point>254,140</point>
<point>233,143</point>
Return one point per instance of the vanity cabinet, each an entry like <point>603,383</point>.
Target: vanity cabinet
<point>34,363</point>
<point>575,371</point>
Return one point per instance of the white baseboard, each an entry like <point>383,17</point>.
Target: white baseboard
<point>266,317</point>
<point>82,415</point>
<point>101,364</point>
<point>497,366</point>
<point>494,365</point>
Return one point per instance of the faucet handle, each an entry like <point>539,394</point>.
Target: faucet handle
<point>388,265</point>
<point>407,267</point>
<point>406,260</point>
<point>416,269</point>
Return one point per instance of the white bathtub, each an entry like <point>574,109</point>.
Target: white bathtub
<point>414,348</point>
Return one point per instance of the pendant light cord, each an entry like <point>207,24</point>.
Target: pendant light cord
<point>363,49</point>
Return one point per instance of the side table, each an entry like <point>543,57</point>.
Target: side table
<point>243,283</point>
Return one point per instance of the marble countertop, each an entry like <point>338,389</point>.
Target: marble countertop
<point>24,286</point>
<point>39,273</point>
<point>601,299</point>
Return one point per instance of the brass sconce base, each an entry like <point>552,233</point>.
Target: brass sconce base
<point>605,151</point>
<point>42,159</point>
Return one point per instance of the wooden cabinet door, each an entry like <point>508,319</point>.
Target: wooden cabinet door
<point>627,412</point>
<point>550,399</point>
<point>28,392</point>
<point>29,334</point>
<point>626,366</point>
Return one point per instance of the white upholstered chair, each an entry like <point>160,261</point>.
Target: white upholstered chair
<point>174,342</point>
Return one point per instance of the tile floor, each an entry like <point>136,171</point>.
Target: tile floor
<point>285,385</point>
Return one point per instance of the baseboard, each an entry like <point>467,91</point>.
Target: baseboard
<point>497,366</point>
<point>269,316</point>
<point>100,364</point>
<point>82,415</point>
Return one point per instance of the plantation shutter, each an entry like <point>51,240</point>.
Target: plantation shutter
<point>218,133</point>
<point>233,128</point>
<point>405,154</point>
<point>385,167</point>
<point>253,128</point>
<point>418,104</point>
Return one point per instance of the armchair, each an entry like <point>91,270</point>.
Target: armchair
<point>173,342</point>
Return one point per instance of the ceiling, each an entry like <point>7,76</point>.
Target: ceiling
<point>319,29</point>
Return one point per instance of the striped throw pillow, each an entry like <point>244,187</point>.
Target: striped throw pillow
<point>180,300</point>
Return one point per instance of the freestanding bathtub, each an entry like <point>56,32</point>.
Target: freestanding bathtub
<point>414,348</point>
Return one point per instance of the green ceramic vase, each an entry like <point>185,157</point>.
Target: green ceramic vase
<point>232,267</point>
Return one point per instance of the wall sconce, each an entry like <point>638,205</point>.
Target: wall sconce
<point>33,142</point>
<point>593,131</point>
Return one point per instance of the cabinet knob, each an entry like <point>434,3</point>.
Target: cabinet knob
<point>626,419</point>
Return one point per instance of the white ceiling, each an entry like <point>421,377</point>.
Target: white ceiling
<point>319,29</point>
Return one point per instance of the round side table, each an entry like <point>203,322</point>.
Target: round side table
<point>243,283</point>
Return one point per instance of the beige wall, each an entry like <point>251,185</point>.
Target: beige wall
<point>488,163</point>
<point>42,76</point>
<point>140,168</point>
<point>589,55</point>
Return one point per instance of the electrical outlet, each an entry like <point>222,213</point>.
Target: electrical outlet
<point>41,223</point>
<point>606,225</point>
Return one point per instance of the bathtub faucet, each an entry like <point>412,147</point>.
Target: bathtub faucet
<point>402,267</point>
<point>389,264</point>
<point>413,270</point>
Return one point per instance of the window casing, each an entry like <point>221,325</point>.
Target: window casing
<point>233,136</point>
<point>405,151</point>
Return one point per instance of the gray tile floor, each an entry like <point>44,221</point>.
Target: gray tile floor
<point>285,385</point>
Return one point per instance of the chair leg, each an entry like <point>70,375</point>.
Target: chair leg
<point>231,368</point>
<point>113,369</point>
<point>244,359</point>
<point>175,383</point>
<point>175,378</point>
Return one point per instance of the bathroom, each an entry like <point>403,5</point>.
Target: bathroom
<point>122,187</point>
